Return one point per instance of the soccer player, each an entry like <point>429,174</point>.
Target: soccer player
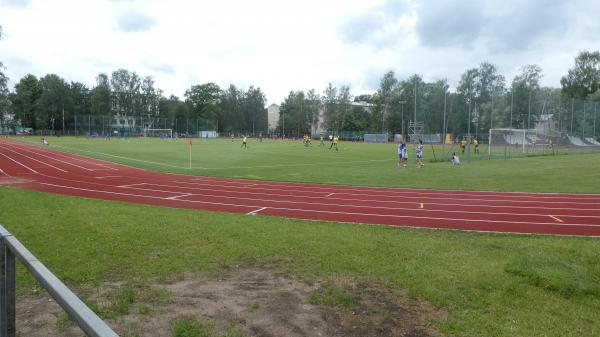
<point>232,136</point>
<point>476,144</point>
<point>463,144</point>
<point>404,155</point>
<point>455,160</point>
<point>244,142</point>
<point>322,144</point>
<point>400,151</point>
<point>334,143</point>
<point>419,153</point>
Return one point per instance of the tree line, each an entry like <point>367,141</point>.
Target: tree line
<point>482,99</point>
<point>51,103</point>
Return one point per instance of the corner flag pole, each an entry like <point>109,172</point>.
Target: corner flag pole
<point>190,142</point>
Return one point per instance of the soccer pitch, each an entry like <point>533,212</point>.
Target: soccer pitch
<point>355,163</point>
<point>481,283</point>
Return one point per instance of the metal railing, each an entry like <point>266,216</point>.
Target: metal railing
<point>83,316</point>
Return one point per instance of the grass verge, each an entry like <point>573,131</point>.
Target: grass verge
<point>490,284</point>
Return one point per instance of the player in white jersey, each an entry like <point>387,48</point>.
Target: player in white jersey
<point>419,153</point>
<point>455,160</point>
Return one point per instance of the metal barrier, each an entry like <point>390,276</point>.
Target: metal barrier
<point>10,247</point>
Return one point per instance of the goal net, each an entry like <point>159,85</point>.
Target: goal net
<point>375,137</point>
<point>523,141</point>
<point>159,133</point>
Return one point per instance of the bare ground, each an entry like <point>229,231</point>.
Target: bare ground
<point>247,301</point>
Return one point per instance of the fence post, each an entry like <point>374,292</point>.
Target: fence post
<point>7,290</point>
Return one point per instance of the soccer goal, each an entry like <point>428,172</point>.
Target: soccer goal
<point>159,133</point>
<point>375,137</point>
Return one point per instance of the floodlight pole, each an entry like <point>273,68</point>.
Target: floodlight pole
<point>595,111</point>
<point>415,99</point>
<point>529,111</point>
<point>559,118</point>
<point>583,124</point>
<point>512,98</point>
<point>572,110</point>
<point>444,122</point>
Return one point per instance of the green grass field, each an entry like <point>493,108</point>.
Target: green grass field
<point>355,163</point>
<point>490,284</point>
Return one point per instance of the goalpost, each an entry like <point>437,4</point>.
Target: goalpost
<point>508,137</point>
<point>162,133</point>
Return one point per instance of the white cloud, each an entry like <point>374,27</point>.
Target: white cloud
<point>282,46</point>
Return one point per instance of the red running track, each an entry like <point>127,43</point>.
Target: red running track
<point>44,169</point>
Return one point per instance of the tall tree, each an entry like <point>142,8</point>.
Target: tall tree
<point>526,87</point>
<point>125,89</point>
<point>584,78</point>
<point>253,110</point>
<point>329,102</point>
<point>230,117</point>
<point>80,96</point>
<point>54,108</point>
<point>203,100</point>
<point>24,101</point>
<point>100,101</point>
<point>4,97</point>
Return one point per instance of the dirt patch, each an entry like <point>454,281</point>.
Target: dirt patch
<point>242,301</point>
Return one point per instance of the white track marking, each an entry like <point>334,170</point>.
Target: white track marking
<point>25,166</point>
<point>69,156</point>
<point>108,177</point>
<point>329,212</point>
<point>256,211</point>
<point>129,185</point>
<point>62,161</point>
<point>394,190</point>
<point>379,201</point>
<point>37,160</point>
<point>126,158</point>
<point>398,192</point>
<point>351,206</point>
<point>3,172</point>
<point>328,195</point>
<point>299,184</point>
<point>178,196</point>
<point>378,195</point>
<point>555,218</point>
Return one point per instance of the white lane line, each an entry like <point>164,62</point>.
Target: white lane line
<point>361,206</point>
<point>37,160</point>
<point>256,211</point>
<point>25,166</point>
<point>380,201</point>
<point>129,185</point>
<point>66,156</point>
<point>328,195</point>
<point>3,172</point>
<point>62,161</point>
<point>365,190</point>
<point>330,212</point>
<point>107,177</point>
<point>178,196</point>
<point>123,157</point>
<point>555,218</point>
<point>391,189</point>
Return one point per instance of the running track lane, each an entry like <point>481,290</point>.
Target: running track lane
<point>44,169</point>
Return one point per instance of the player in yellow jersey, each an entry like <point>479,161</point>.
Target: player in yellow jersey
<point>463,144</point>
<point>334,143</point>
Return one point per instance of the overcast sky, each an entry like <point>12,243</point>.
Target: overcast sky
<point>292,45</point>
